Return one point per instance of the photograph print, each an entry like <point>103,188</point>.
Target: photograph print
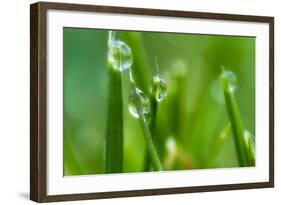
<point>141,101</point>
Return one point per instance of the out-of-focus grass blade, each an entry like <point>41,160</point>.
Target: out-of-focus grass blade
<point>71,163</point>
<point>177,98</point>
<point>219,142</point>
<point>235,119</point>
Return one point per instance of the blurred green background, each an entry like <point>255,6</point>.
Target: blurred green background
<point>189,119</point>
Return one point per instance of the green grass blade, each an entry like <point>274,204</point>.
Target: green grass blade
<point>235,119</point>
<point>219,142</point>
<point>252,154</point>
<point>141,70</point>
<point>141,67</point>
<point>152,124</point>
<point>114,133</point>
<point>154,158</point>
<point>154,106</point>
<point>178,100</point>
<point>251,147</point>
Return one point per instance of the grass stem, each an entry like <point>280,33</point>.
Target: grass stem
<point>114,134</point>
<point>219,142</point>
<point>235,119</point>
<point>154,158</point>
<point>141,68</point>
<point>152,124</point>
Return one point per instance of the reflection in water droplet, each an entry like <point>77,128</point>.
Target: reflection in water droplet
<point>119,55</point>
<point>217,92</point>
<point>161,88</point>
<point>144,102</point>
<point>231,79</point>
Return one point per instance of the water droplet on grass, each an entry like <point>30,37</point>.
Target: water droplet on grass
<point>144,102</point>
<point>232,80</point>
<point>161,88</point>
<point>120,55</point>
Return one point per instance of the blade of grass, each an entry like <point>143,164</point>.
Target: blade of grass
<point>178,100</point>
<point>152,126</point>
<point>251,147</point>
<point>141,68</point>
<point>114,140</point>
<point>157,94</point>
<point>219,142</point>
<point>154,158</point>
<point>154,107</point>
<point>114,133</point>
<point>235,119</point>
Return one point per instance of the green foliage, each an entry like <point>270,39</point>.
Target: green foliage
<point>193,115</point>
<point>229,85</point>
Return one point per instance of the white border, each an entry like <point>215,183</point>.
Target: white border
<point>57,184</point>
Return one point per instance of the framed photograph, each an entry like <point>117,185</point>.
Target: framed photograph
<point>134,102</point>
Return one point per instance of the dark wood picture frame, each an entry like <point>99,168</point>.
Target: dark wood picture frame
<point>38,100</point>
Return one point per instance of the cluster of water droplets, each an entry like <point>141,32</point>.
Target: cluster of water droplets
<point>119,53</point>
<point>121,59</point>
<point>159,91</point>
